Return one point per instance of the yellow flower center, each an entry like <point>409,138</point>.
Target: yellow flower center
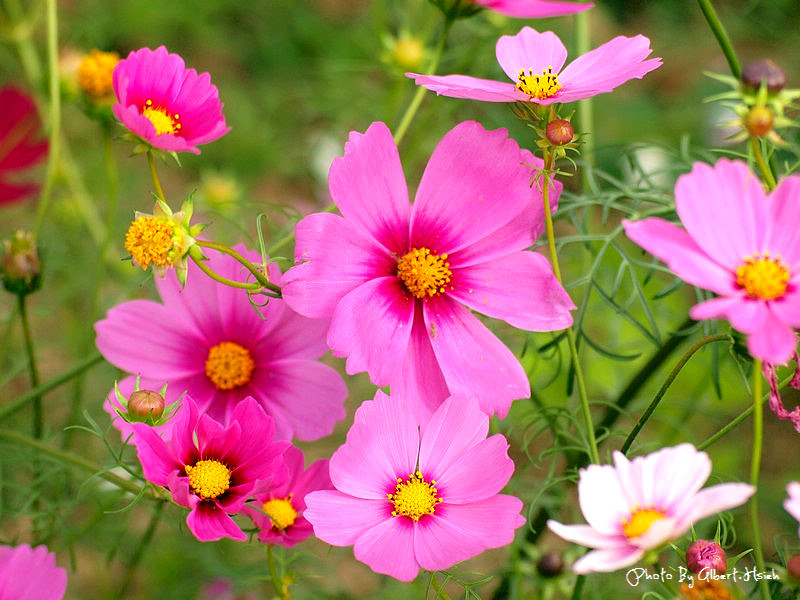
<point>281,512</point>
<point>414,497</point>
<point>208,478</point>
<point>150,240</point>
<point>161,118</point>
<point>538,86</point>
<point>95,73</point>
<point>229,365</point>
<point>640,521</point>
<point>763,277</point>
<point>424,273</point>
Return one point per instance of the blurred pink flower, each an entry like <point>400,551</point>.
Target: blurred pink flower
<point>639,505</point>
<point>533,61</point>
<point>211,469</point>
<point>208,340</point>
<point>741,244</point>
<point>535,9</point>
<point>398,280</point>
<point>408,497</point>
<point>279,509</point>
<point>792,503</point>
<point>775,401</point>
<point>30,574</point>
<point>165,104</point>
<point>19,148</point>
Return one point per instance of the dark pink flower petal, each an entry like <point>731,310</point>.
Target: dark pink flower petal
<point>478,474</point>
<point>208,524</point>
<point>471,88</point>
<point>535,9</point>
<point>339,519</point>
<point>492,520</point>
<point>530,50</point>
<point>451,432</point>
<point>389,548</point>
<point>775,401</point>
<point>785,210</point>
<point>20,147</point>
<point>770,339</point>
<point>158,462</point>
<point>30,574</point>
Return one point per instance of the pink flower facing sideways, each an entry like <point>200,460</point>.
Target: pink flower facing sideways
<point>278,511</point>
<point>641,504</point>
<point>792,503</point>
<point>398,279</point>
<point>30,574</point>
<point>170,107</point>
<point>533,62</point>
<point>408,497</point>
<point>208,340</point>
<point>211,469</point>
<point>20,147</point>
<point>742,244</point>
<point>535,9</point>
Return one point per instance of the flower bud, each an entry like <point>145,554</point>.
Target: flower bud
<point>550,564</point>
<point>759,120</point>
<point>703,554</point>
<point>20,266</point>
<point>144,405</point>
<point>408,53</point>
<point>766,71</point>
<point>95,73</point>
<point>793,566</point>
<point>559,132</point>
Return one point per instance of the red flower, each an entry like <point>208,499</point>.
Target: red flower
<point>19,148</point>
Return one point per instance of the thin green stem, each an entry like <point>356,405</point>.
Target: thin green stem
<point>580,580</point>
<point>416,101</point>
<point>765,169</point>
<point>151,163</point>
<point>55,115</point>
<point>438,587</point>
<point>280,586</point>
<point>583,44</point>
<point>718,29</point>
<point>138,553</point>
<point>24,43</point>
<point>665,386</point>
<point>250,287</point>
<point>38,422</point>
<point>755,467</point>
<point>259,275</point>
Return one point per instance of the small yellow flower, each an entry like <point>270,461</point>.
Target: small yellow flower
<point>95,73</point>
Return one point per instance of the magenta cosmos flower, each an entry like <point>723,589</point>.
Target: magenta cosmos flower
<point>408,497</point>
<point>639,505</point>
<point>19,147</point>
<point>211,469</point>
<point>165,104</point>
<point>278,511</point>
<point>30,574</point>
<point>741,244</point>
<point>399,280</point>
<point>533,61</point>
<point>792,503</point>
<point>534,9</point>
<point>208,340</point>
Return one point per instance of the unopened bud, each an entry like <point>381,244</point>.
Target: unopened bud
<point>559,132</point>
<point>759,120</point>
<point>21,269</point>
<point>408,53</point>
<point>550,564</point>
<point>145,405</point>
<point>707,555</point>
<point>766,71</point>
<point>793,566</point>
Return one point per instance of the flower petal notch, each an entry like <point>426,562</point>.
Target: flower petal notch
<point>535,9</point>
<point>639,505</point>
<point>166,105</point>
<point>32,573</point>
<point>533,62</point>
<point>20,148</point>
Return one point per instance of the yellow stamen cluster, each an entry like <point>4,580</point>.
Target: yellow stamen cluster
<point>95,73</point>
<point>640,521</point>
<point>281,512</point>
<point>414,497</point>
<point>208,478</point>
<point>424,273</point>
<point>163,120</point>
<point>763,276</point>
<point>705,589</point>
<point>151,240</point>
<point>229,365</point>
<point>538,86</point>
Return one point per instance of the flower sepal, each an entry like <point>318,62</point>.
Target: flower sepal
<point>457,9</point>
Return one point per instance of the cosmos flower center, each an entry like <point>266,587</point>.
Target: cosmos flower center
<point>424,273</point>
<point>208,478</point>
<point>161,118</point>
<point>229,365</point>
<point>150,240</point>
<point>95,73</point>
<point>538,86</point>
<point>763,276</point>
<point>640,521</point>
<point>281,512</point>
<point>414,497</point>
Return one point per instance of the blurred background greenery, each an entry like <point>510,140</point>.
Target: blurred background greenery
<point>296,77</point>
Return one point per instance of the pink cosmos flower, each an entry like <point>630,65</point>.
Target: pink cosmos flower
<point>211,469</point>
<point>534,9</point>
<point>279,510</point>
<point>792,503</point>
<point>398,279</point>
<point>19,147</point>
<point>533,61</point>
<point>408,497</point>
<point>165,104</point>
<point>207,339</point>
<point>639,505</point>
<point>30,574</point>
<point>740,243</point>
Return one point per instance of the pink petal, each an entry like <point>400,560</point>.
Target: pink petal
<point>519,288</point>
<point>530,50</point>
<point>787,307</point>
<point>607,560</point>
<point>456,427</point>
<point>368,186</point>
<point>482,471</point>
<point>474,362</point>
<point>586,536</point>
<point>208,524</point>
<point>158,461</point>
<point>784,238</point>
<point>30,574</point>
<point>792,503</point>
<point>471,88</point>
<point>717,498</point>
<point>535,9</point>
<point>389,548</point>
<point>770,340</point>
<point>339,519</point>
<point>604,503</point>
<point>671,475</point>
<point>715,308</point>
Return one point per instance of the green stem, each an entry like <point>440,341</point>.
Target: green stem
<point>151,163</point>
<point>136,557</point>
<point>38,422</point>
<point>755,467</point>
<point>55,115</point>
<point>769,178</point>
<point>718,29</point>
<point>583,44</point>
<point>438,587</point>
<point>416,101</point>
<point>27,51</point>
<point>281,589</point>
<point>580,580</point>
<point>250,287</point>
<point>665,386</point>
<point>259,275</point>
